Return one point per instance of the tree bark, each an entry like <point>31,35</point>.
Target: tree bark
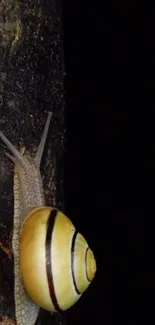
<point>31,84</point>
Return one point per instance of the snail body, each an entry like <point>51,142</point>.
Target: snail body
<point>53,264</point>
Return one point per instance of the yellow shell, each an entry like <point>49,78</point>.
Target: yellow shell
<point>56,263</point>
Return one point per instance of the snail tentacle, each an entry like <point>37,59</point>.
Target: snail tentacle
<point>12,158</point>
<point>16,154</point>
<point>40,150</point>
<point>13,150</point>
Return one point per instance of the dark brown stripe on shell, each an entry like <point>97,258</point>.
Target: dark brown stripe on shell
<point>72,262</point>
<point>86,264</point>
<point>50,227</point>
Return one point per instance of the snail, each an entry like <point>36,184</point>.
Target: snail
<point>53,264</point>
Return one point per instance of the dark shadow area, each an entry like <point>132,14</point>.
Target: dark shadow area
<point>110,160</point>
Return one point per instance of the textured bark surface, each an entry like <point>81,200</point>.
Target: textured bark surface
<point>31,83</point>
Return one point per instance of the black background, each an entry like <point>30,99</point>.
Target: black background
<point>110,160</point>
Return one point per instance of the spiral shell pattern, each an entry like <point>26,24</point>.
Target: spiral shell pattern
<point>56,262</point>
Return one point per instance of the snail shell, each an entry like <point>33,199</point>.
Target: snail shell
<point>53,264</point>
<point>55,261</point>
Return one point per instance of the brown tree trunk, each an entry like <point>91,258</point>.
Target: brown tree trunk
<point>31,83</point>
